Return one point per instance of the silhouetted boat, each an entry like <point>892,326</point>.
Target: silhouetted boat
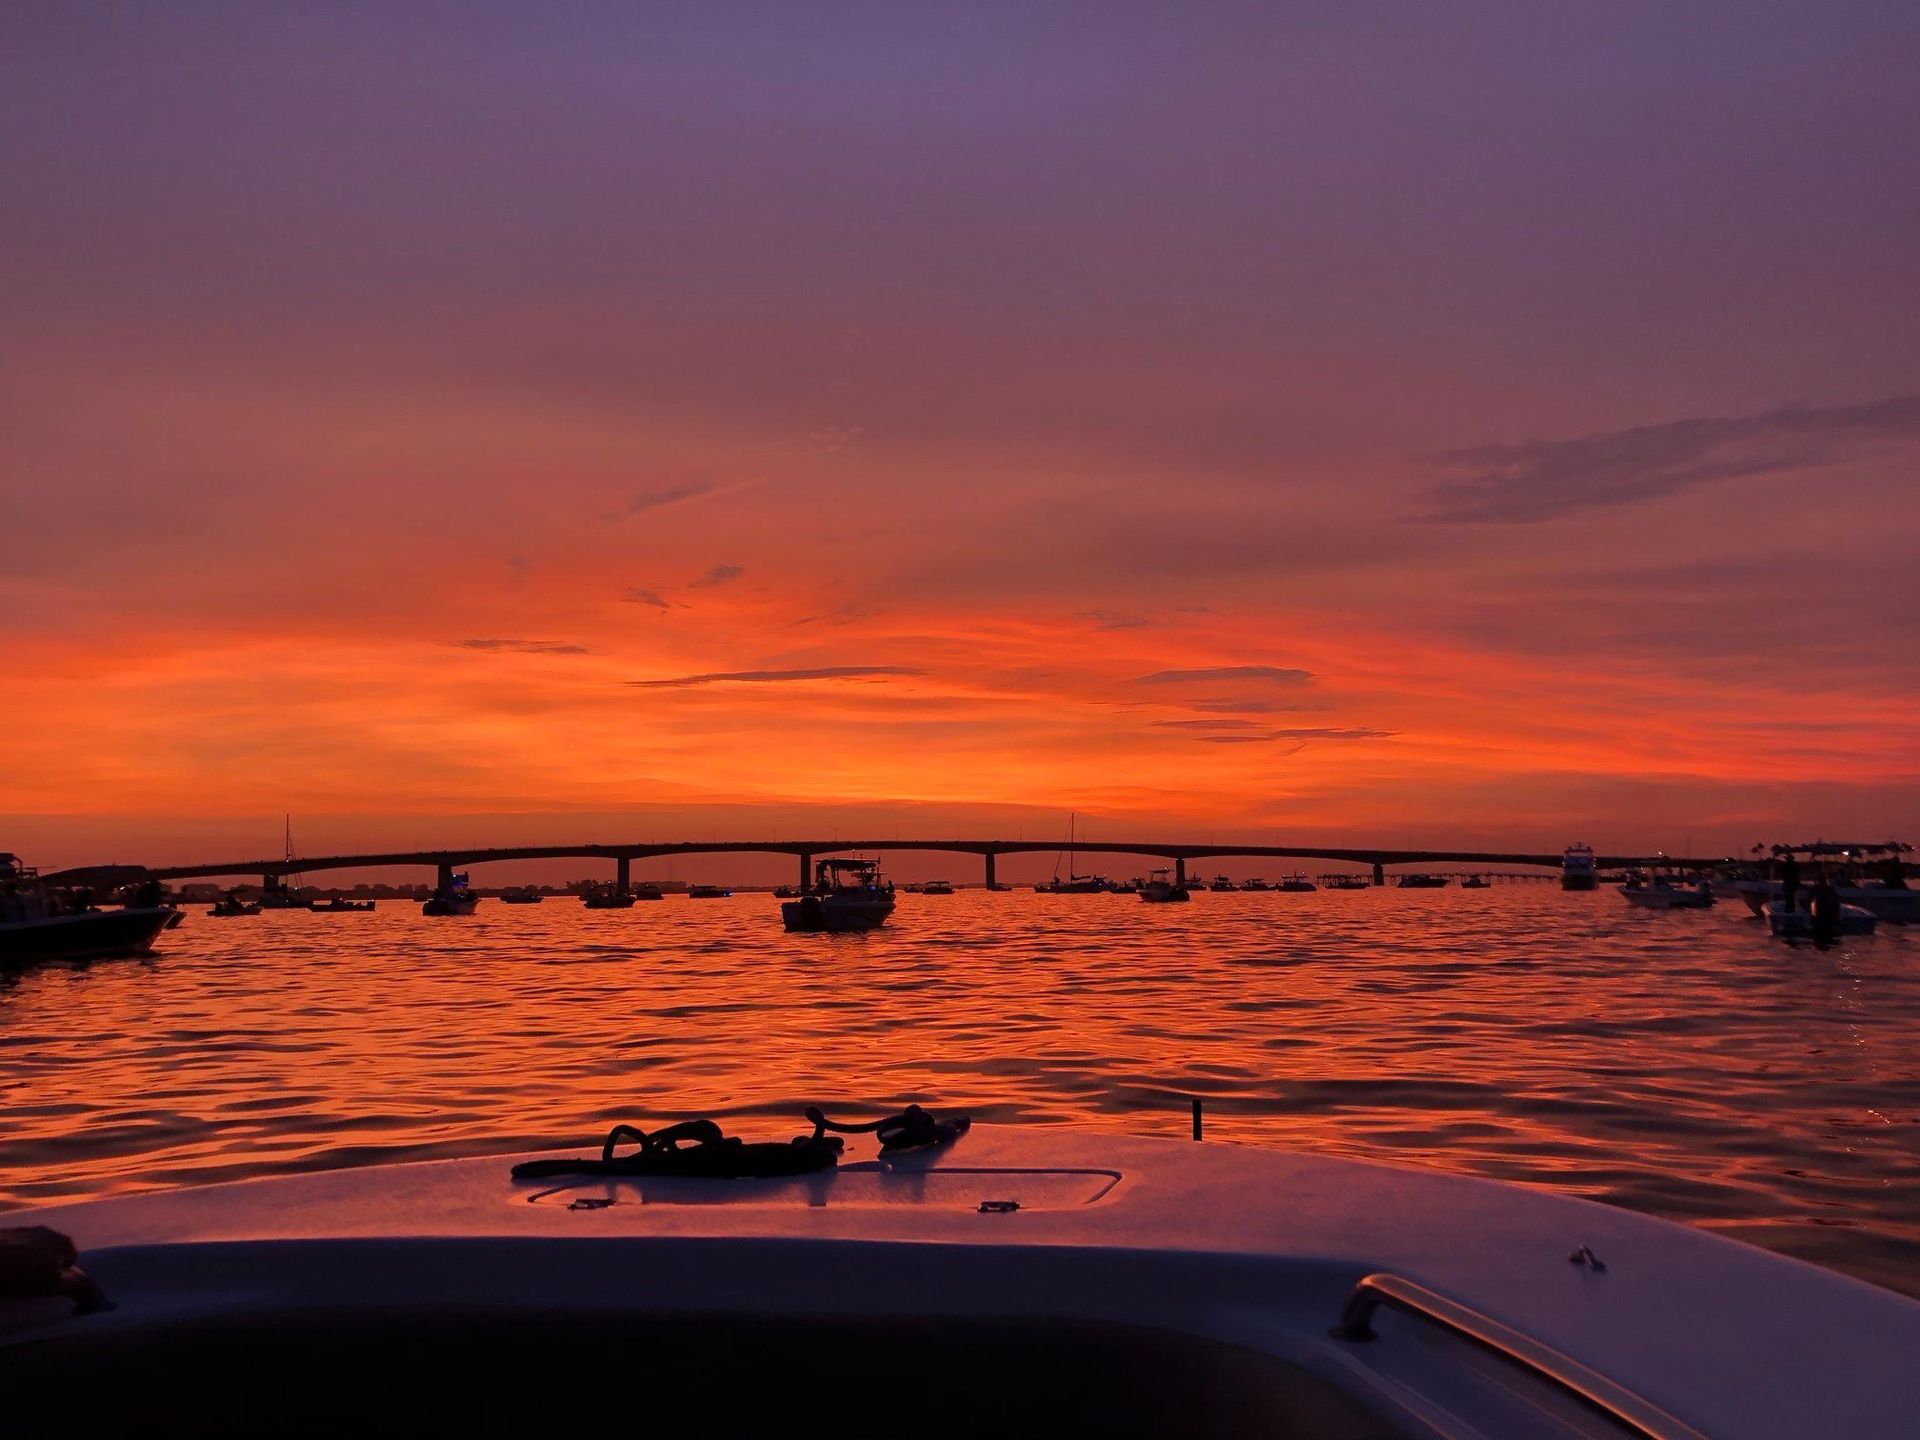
<point>1073,884</point>
<point>41,924</point>
<point>1421,882</point>
<point>937,887</point>
<point>1475,882</point>
<point>1349,882</point>
<point>1660,892</point>
<point>521,897</point>
<point>647,892</point>
<point>227,907</point>
<point>607,897</point>
<point>454,898</point>
<point>1801,921</point>
<point>1222,885</point>
<point>1162,889</point>
<point>1872,877</point>
<point>1296,885</point>
<point>707,892</point>
<point>1254,882</point>
<point>846,895</point>
<point>1016,1281</point>
<point>338,905</point>
<point>1576,869</point>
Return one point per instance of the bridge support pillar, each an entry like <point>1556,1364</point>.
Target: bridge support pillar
<point>806,871</point>
<point>443,877</point>
<point>991,883</point>
<point>1379,873</point>
<point>1180,870</point>
<point>623,873</point>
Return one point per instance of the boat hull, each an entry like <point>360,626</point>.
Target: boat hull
<point>1798,922</point>
<point>1897,907</point>
<point>1171,895</point>
<point>817,914</point>
<point>450,905</point>
<point>225,1294</point>
<point>1659,899</point>
<point>96,934</point>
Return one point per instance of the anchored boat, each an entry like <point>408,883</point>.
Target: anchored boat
<point>1657,890</point>
<point>1870,877</point>
<point>607,897</point>
<point>846,895</point>
<point>1577,870</point>
<point>1161,888</point>
<point>1010,1282</point>
<point>455,897</point>
<point>39,923</point>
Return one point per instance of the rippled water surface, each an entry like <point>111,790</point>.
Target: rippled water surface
<point>1683,1064</point>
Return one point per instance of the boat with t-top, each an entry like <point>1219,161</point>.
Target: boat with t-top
<point>1870,877</point>
<point>44,922</point>
<point>847,894</point>
<point>1161,888</point>
<point>455,897</point>
<point>1658,889</point>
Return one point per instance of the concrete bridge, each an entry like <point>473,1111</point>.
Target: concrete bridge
<point>273,872</point>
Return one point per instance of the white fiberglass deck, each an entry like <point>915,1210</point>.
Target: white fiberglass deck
<point>1247,1247</point>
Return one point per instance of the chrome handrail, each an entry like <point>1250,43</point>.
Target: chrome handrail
<point>1596,1392</point>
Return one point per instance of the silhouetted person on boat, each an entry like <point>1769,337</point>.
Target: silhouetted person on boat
<point>1789,879</point>
<point>1893,875</point>
<point>1823,905</point>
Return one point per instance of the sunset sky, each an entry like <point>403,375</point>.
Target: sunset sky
<point>1430,424</point>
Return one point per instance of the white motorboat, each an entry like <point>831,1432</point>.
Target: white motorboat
<point>1020,1281</point>
<point>1870,876</point>
<point>1660,892</point>
<point>846,895</point>
<point>1161,888</point>
<point>1577,870</point>
<point>1884,902</point>
<point>1801,921</point>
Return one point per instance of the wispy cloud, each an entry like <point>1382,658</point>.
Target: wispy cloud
<point>1248,706</point>
<point>641,595</point>
<point>1276,674</point>
<point>1543,479</point>
<point>525,647</point>
<point>1114,620</point>
<point>1208,724</point>
<point>718,575</point>
<point>644,500</point>
<point>1237,737</point>
<point>764,677</point>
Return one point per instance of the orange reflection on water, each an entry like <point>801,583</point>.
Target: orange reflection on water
<point>1681,1064</point>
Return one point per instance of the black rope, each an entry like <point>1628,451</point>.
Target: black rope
<point>697,1149</point>
<point>912,1129</point>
